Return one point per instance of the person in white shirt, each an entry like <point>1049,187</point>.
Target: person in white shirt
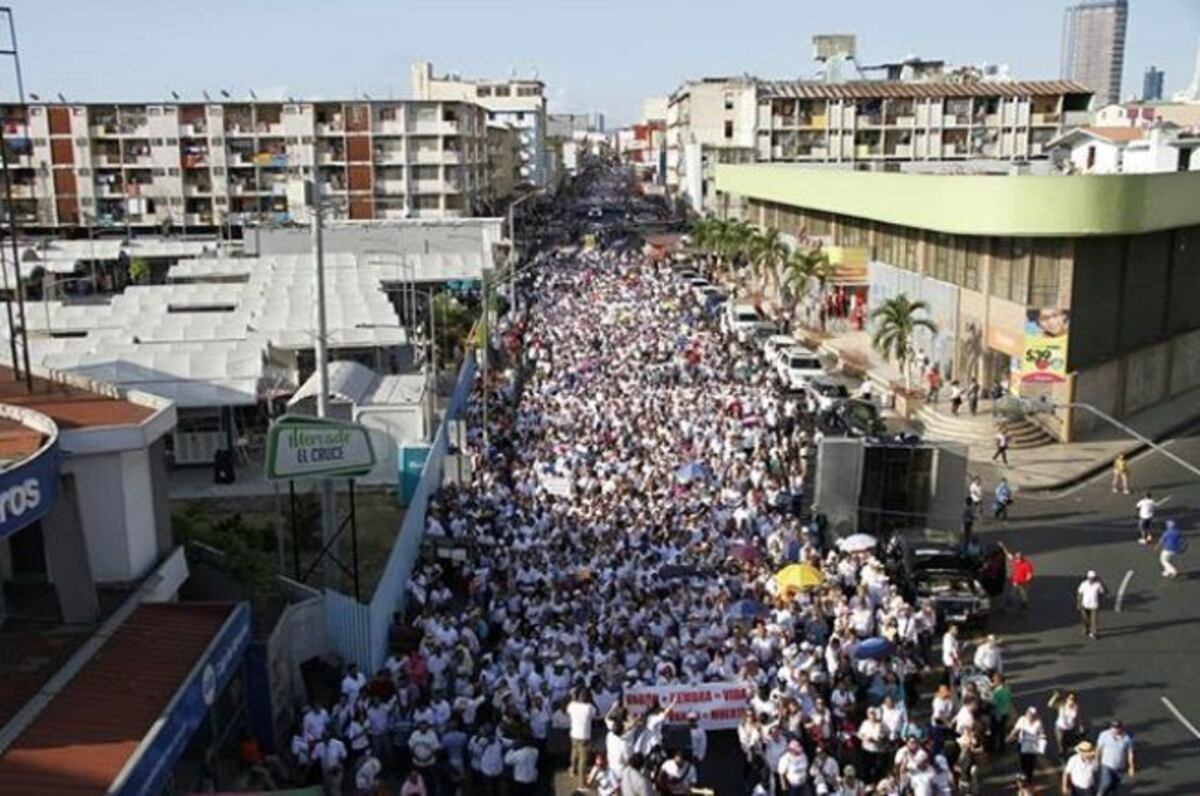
<point>524,760</point>
<point>582,713</point>
<point>825,772</point>
<point>603,779</point>
<point>951,654</point>
<point>353,682</point>
<point>366,778</point>
<point>634,781</point>
<point>792,769</point>
<point>677,774</point>
<point>333,759</point>
<point>316,721</point>
<point>423,745</point>
<point>1082,771</point>
<point>1030,736</point>
<point>1146,507</point>
<point>1087,601</point>
<point>988,658</point>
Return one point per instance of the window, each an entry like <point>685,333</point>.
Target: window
<point>483,91</point>
<point>172,142</point>
<point>973,264</point>
<point>728,100</point>
<point>729,129</point>
<point>173,172</point>
<point>160,172</point>
<point>1010,269</point>
<point>503,91</point>
<point>218,171</point>
<point>520,116</point>
<point>1048,259</point>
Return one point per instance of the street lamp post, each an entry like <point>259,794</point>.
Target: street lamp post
<point>322,356</point>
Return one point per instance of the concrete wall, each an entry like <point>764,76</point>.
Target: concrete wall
<point>1185,363</point>
<point>102,508</point>
<point>887,281</point>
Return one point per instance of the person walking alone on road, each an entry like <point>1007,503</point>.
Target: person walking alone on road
<point>1170,545</point>
<point>1087,600</point>
<point>933,378</point>
<point>1146,507</point>
<point>1020,575</point>
<point>1120,479</point>
<point>1003,500</point>
<point>1001,451</point>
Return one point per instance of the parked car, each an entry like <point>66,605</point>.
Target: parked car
<point>932,565</point>
<point>823,394</point>
<point>777,343</point>
<point>797,366</point>
<point>739,319</point>
<point>708,295</point>
<point>852,418</point>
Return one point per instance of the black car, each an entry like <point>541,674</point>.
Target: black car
<point>852,418</point>
<point>931,566</point>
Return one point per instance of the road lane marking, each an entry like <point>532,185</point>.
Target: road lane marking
<point>1182,719</point>
<point>1121,591</point>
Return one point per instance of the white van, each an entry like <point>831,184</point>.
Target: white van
<point>739,319</point>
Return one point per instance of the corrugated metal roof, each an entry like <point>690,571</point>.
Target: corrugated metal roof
<point>83,738</point>
<point>898,89</point>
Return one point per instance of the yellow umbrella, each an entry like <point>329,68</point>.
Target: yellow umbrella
<point>798,577</point>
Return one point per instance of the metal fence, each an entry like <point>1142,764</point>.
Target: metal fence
<point>359,632</point>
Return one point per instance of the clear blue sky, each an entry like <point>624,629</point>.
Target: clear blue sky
<point>593,54</point>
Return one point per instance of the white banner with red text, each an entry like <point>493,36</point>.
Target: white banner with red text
<point>719,705</point>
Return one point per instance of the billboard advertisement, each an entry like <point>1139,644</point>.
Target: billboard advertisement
<point>1044,352</point>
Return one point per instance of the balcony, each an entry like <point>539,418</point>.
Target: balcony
<point>110,189</point>
<point>271,160</point>
<point>954,151</point>
<point>242,188</point>
<point>428,186</point>
<point>435,128</point>
<point>430,156</point>
<point>194,130</point>
<point>199,219</point>
<point>197,189</point>
<point>391,187</point>
<point>327,157</point>
<point>331,129</point>
<point>104,130</point>
<point>269,129</point>
<point>389,156</point>
<point>1046,119</point>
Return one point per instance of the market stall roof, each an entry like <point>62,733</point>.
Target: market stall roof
<point>357,384</point>
<point>94,727</point>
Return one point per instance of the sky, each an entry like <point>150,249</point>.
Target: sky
<point>605,55</point>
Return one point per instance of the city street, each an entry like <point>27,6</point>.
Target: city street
<point>1147,649</point>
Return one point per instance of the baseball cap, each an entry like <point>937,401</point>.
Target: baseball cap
<point>1091,574</point>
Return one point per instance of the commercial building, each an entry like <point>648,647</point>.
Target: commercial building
<point>882,124</point>
<point>1152,84</point>
<point>1093,46</point>
<point>1147,114</point>
<point>1078,286</point>
<point>82,492</point>
<point>213,165</point>
<point>517,102</point>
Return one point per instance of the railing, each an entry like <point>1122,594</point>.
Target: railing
<point>359,632</point>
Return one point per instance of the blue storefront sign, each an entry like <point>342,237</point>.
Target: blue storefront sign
<point>152,764</point>
<point>411,464</point>
<point>28,490</point>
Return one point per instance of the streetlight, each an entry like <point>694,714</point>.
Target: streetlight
<point>12,213</point>
<point>1019,408</point>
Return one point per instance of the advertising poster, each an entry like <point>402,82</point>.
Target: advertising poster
<point>1044,354</point>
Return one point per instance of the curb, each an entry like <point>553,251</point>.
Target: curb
<point>1134,450</point>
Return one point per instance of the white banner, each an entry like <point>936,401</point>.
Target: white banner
<point>719,705</point>
<point>558,485</point>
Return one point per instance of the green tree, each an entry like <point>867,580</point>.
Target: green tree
<point>896,322</point>
<point>139,271</point>
<point>767,253</point>
<point>803,268</point>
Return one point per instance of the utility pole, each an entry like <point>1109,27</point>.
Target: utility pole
<point>330,571</point>
<point>487,311</point>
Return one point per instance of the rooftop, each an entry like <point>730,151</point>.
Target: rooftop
<point>71,406</point>
<point>88,732</point>
<point>975,204</point>
<point>903,89</point>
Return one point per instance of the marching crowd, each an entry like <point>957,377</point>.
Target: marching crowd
<point>638,486</point>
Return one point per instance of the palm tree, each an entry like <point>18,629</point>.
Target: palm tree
<point>767,252</point>
<point>803,267</point>
<point>896,323</point>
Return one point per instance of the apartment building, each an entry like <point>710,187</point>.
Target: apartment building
<point>519,103</point>
<point>212,165</point>
<point>852,123</point>
<point>711,113</point>
<point>503,162</point>
<point>896,121</point>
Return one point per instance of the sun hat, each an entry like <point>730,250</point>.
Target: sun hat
<point>1085,748</point>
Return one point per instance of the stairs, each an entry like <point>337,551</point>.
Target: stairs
<point>979,430</point>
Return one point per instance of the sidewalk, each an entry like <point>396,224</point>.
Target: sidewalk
<point>1058,465</point>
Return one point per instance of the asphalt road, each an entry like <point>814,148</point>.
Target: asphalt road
<point>1147,653</point>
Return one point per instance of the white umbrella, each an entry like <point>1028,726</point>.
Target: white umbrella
<point>858,543</point>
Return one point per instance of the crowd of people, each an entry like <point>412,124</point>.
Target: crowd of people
<point>639,483</point>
